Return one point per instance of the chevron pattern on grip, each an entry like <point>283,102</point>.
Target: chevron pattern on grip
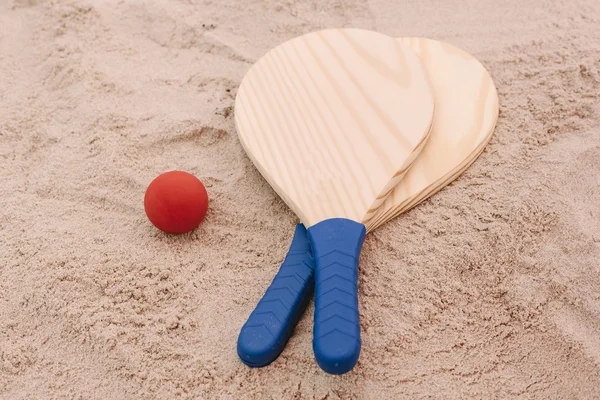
<point>336,245</point>
<point>269,326</point>
<point>336,300</point>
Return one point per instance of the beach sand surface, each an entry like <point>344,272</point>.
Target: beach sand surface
<point>490,289</point>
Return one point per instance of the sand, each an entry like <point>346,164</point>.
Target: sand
<point>490,289</point>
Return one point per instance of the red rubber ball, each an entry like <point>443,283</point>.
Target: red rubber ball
<point>176,202</point>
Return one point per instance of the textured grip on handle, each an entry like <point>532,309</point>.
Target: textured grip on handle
<point>267,330</point>
<point>336,245</point>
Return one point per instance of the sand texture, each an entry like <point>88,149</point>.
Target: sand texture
<point>489,290</point>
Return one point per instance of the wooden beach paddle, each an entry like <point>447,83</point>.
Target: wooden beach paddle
<point>332,120</point>
<point>466,114</point>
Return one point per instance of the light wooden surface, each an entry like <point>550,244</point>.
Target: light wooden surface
<point>332,119</point>
<point>465,117</point>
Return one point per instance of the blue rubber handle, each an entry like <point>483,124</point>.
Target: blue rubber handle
<point>270,325</point>
<point>336,245</point>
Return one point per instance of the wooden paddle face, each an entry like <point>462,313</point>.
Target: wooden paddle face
<point>332,120</point>
<point>465,117</point>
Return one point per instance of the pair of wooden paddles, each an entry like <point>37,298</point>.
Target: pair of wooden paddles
<point>351,128</point>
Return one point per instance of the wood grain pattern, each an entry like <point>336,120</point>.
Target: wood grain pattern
<point>332,120</point>
<point>465,117</point>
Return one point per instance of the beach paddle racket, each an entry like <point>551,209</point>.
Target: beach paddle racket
<point>332,120</point>
<point>465,117</point>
